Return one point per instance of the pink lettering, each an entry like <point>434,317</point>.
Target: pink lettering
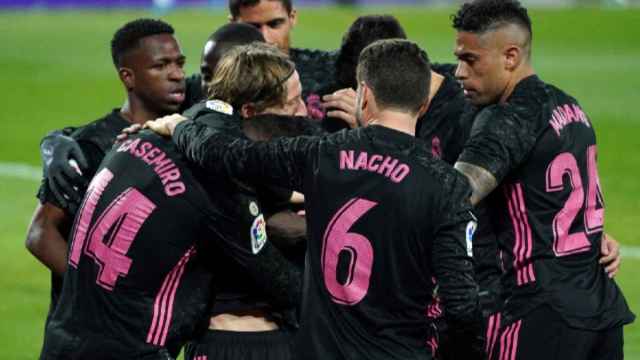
<point>173,189</point>
<point>400,173</point>
<point>148,157</point>
<point>173,174</point>
<point>361,163</point>
<point>346,159</point>
<point>142,150</point>
<point>566,114</point>
<point>374,162</point>
<point>387,165</point>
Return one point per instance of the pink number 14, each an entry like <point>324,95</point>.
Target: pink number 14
<point>124,216</point>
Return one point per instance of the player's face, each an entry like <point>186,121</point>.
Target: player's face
<point>159,78</point>
<point>294,104</point>
<point>273,21</point>
<point>481,67</point>
<point>208,62</point>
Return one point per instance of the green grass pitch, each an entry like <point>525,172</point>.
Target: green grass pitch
<point>55,70</point>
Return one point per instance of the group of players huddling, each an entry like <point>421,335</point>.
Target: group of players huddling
<point>361,203</point>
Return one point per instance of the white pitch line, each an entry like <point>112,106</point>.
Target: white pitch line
<point>20,171</point>
<point>34,173</point>
<point>631,252</point>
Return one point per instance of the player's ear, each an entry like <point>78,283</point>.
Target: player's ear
<point>513,56</point>
<point>127,77</point>
<point>231,19</point>
<point>247,110</point>
<point>293,17</point>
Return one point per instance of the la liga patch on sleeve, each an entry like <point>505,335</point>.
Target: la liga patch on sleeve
<point>258,234</point>
<point>471,229</point>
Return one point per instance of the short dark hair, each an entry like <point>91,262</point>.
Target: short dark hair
<point>235,5</point>
<point>128,37</point>
<point>237,33</point>
<point>230,35</point>
<point>364,31</point>
<point>398,72</point>
<point>480,16</point>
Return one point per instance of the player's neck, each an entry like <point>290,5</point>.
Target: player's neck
<point>398,121</point>
<point>134,112</point>
<point>436,83</point>
<point>521,73</point>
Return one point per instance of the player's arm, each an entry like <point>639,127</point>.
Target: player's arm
<point>454,271</point>
<point>280,162</point>
<point>46,239</point>
<point>63,161</point>
<point>501,138</point>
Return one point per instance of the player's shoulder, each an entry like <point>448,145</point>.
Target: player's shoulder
<point>102,131</point>
<point>215,114</point>
<point>442,178</point>
<point>305,55</point>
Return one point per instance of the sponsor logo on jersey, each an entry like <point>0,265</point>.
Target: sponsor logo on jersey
<point>258,234</point>
<point>219,106</point>
<point>471,229</point>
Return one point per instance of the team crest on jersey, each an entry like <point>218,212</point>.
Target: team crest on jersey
<point>258,234</point>
<point>471,229</point>
<point>219,106</point>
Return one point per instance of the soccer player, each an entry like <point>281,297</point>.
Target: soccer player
<point>537,144</point>
<point>218,43</point>
<point>149,63</point>
<point>276,19</point>
<point>340,99</point>
<point>384,216</point>
<point>142,260</point>
<point>66,184</point>
<point>244,324</point>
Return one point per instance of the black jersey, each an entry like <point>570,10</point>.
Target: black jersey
<point>139,277</point>
<point>441,126</point>
<point>238,290</point>
<point>548,209</point>
<point>193,91</point>
<point>445,127</point>
<point>317,75</point>
<point>95,139</point>
<point>376,233</point>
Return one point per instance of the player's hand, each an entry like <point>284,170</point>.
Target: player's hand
<point>63,162</point>
<point>296,198</point>
<point>342,105</point>
<point>129,130</point>
<point>611,259</point>
<point>166,125</point>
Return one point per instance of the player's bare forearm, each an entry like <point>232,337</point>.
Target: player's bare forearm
<point>45,239</point>
<point>481,180</point>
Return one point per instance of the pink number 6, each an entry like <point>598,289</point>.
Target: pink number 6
<point>337,238</point>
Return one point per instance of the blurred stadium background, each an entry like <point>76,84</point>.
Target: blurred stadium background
<point>55,70</point>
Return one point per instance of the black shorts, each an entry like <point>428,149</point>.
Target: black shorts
<point>543,334</point>
<point>237,345</point>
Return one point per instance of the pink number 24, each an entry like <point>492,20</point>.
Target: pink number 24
<point>566,243</point>
<point>337,238</point>
<point>125,215</point>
